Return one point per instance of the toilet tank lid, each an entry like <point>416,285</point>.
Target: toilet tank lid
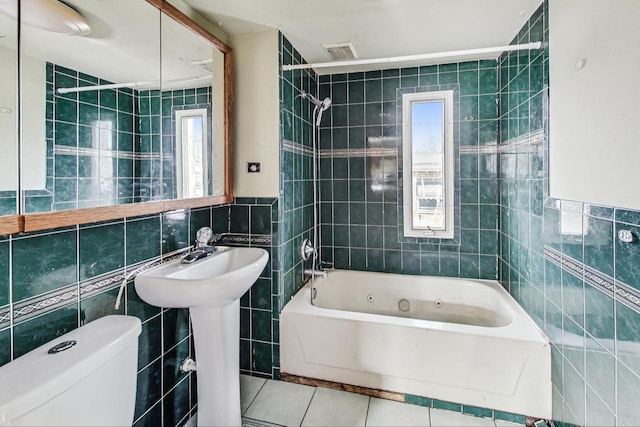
<point>38,376</point>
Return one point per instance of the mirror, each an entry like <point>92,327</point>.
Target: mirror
<point>192,95</point>
<point>8,114</point>
<point>136,110</point>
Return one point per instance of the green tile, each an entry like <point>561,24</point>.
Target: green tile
<point>101,249</point>
<point>66,110</point>
<point>261,357</point>
<point>597,412</point>
<point>627,257</point>
<point>142,239</point>
<point>175,231</point>
<point>449,406</point>
<point>478,412</point>
<point>356,91</point>
<point>600,374</point>
<point>176,403</point>
<point>599,317</point>
<point>508,416</point>
<point>35,258</point>
<point>627,332</point>
<point>261,325</point>
<point>261,294</point>
<point>628,384</point>
<point>393,261</point>
<point>148,393</point>
<point>260,219</point>
<point>37,331</point>
<point>150,341</point>
<point>470,266</point>
<point>138,308</point>
<point>172,360</point>
<point>66,134</point>
<point>470,243</point>
<point>389,86</point>
<point>469,82</point>
<point>573,297</point>
<point>449,264</point>
<point>99,305</point>
<point>5,279</point>
<point>175,327</point>
<point>373,90</point>
<point>418,400</point>
<point>5,346</point>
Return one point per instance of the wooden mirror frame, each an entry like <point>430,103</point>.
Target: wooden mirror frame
<point>12,224</point>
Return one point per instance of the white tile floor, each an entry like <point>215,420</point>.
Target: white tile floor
<point>278,403</point>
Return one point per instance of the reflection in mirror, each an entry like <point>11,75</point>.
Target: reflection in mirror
<point>8,112</point>
<point>83,109</point>
<point>192,114</point>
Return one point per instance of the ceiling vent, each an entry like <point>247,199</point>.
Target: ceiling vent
<point>341,51</point>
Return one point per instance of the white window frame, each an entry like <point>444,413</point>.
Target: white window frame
<point>407,101</point>
<point>182,180</point>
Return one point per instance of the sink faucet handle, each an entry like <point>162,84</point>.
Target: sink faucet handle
<point>203,237</point>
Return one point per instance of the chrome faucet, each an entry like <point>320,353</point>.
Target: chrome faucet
<point>203,247</point>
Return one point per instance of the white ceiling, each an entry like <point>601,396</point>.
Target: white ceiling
<point>377,28</point>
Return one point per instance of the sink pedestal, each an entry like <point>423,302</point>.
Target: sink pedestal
<point>216,333</point>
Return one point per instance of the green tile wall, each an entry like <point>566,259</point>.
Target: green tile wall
<point>296,167</point>
<point>57,265</point>
<point>91,138</point>
<point>133,131</point>
<point>551,249</point>
<point>361,202</point>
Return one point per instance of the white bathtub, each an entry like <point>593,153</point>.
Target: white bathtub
<point>463,341</point>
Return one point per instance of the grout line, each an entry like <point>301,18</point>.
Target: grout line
<point>315,389</point>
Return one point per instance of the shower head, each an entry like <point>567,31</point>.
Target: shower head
<point>323,105</point>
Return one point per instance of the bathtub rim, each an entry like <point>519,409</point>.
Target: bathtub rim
<point>521,322</point>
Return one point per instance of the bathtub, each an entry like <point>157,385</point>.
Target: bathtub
<point>457,340</point>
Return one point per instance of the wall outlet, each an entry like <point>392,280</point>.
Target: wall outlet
<point>253,167</point>
<point>626,236</point>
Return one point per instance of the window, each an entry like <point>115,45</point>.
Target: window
<point>427,140</point>
<point>191,153</point>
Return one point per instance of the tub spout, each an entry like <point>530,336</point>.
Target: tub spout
<point>315,272</point>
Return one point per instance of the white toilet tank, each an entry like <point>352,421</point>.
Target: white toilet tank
<point>91,383</point>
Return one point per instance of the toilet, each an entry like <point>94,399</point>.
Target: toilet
<point>86,377</point>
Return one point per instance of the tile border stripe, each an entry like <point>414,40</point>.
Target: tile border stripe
<point>72,293</point>
<point>294,147</point>
<point>622,291</point>
<point>79,151</point>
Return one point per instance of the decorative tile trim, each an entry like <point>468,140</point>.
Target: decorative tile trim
<point>479,149</point>
<point>247,239</point>
<point>360,152</point>
<point>595,278</point>
<point>527,143</point>
<point>79,151</point>
<point>43,303</point>
<point>294,147</point>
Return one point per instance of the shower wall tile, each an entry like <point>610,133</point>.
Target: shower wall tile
<point>569,251</point>
<point>361,205</point>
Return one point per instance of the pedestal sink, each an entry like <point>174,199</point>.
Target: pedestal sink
<point>211,288</point>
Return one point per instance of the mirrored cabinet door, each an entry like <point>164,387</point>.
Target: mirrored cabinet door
<point>90,103</point>
<point>8,109</point>
<point>192,93</point>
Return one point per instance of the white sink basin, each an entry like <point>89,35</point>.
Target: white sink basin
<point>211,288</point>
<point>216,280</point>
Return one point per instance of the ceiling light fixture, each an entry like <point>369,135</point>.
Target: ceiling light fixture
<point>49,15</point>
